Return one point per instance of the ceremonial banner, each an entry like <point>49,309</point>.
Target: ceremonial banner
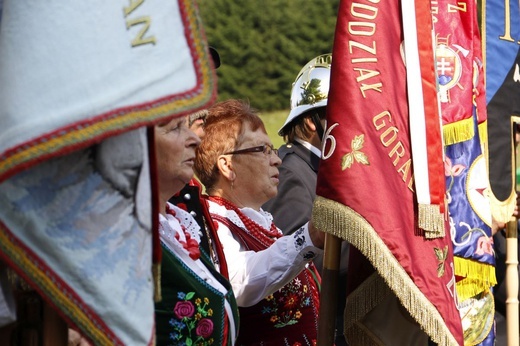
<point>500,35</point>
<point>79,81</point>
<point>460,71</point>
<point>366,183</point>
<point>75,74</point>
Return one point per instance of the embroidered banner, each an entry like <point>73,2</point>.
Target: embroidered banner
<point>365,182</point>
<point>75,74</point>
<point>79,83</point>
<point>460,72</point>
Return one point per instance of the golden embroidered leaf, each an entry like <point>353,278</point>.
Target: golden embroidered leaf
<point>361,157</point>
<point>441,254</point>
<point>347,161</point>
<point>440,269</point>
<point>357,142</point>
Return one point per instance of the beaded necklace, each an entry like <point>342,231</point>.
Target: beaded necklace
<point>191,245</point>
<point>261,233</point>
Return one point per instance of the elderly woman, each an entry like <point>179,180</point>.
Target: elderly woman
<point>198,306</point>
<point>272,277</point>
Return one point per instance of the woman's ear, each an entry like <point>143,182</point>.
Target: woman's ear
<point>309,124</point>
<point>225,166</point>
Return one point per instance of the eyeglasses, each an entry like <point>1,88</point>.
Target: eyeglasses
<point>267,149</point>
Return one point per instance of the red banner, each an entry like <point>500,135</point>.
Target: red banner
<point>366,185</point>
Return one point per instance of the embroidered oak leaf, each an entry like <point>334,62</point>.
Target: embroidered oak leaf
<point>356,155</point>
<point>442,255</point>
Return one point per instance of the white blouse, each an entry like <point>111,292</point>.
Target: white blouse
<point>255,275</point>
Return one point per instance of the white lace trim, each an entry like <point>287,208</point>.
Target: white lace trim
<point>170,225</point>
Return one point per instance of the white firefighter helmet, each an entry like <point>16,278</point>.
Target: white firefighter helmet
<point>310,88</point>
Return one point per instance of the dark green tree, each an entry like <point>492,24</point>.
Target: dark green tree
<point>264,43</point>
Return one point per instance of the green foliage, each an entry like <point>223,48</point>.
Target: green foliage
<point>273,121</point>
<point>263,44</point>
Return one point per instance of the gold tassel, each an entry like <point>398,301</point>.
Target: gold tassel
<point>431,220</point>
<point>156,272</point>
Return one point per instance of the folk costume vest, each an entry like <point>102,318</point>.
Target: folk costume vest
<point>192,312</point>
<point>290,315</point>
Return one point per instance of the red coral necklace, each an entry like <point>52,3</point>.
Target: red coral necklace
<point>191,245</point>
<point>261,233</point>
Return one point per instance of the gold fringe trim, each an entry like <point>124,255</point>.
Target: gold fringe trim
<point>156,272</point>
<point>360,302</point>
<point>459,131</point>
<point>478,277</point>
<point>483,133</point>
<point>337,219</point>
<point>431,220</point>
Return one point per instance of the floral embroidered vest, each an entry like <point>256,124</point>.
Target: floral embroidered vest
<point>191,312</point>
<point>287,317</point>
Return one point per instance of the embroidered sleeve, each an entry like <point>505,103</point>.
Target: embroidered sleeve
<point>303,243</point>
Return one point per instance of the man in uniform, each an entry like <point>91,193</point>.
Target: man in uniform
<point>303,133</point>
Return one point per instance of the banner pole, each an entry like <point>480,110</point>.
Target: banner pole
<point>329,290</point>
<point>512,283</point>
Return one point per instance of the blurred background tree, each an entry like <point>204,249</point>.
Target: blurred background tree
<point>263,44</point>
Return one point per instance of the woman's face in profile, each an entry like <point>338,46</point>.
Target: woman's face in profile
<point>175,146</point>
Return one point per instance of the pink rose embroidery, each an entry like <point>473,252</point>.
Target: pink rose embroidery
<point>184,309</point>
<point>452,170</point>
<point>204,328</point>
<point>484,246</point>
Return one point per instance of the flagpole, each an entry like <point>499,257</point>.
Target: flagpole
<point>329,290</point>
<point>512,283</point>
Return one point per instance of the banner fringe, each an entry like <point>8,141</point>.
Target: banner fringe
<point>340,220</point>
<point>459,131</point>
<point>156,272</point>
<point>477,277</point>
<point>431,220</point>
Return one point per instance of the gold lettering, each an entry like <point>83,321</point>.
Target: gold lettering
<point>132,7</point>
<point>378,119</point>
<point>376,87</point>
<point>140,39</point>
<point>410,184</point>
<point>405,169</point>
<point>507,23</point>
<point>392,131</point>
<point>435,10</point>
<point>389,138</point>
<point>398,151</point>
<point>363,28</point>
<point>354,44</point>
<point>357,9</point>
<point>462,6</point>
<point>365,74</point>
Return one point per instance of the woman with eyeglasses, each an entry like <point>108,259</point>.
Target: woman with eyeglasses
<point>275,283</point>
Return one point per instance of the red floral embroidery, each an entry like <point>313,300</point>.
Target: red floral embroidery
<point>484,245</point>
<point>204,328</point>
<point>184,309</point>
